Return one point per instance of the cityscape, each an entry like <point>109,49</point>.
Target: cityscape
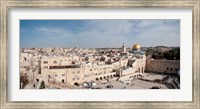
<point>50,58</point>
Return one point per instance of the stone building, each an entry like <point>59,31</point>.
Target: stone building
<point>74,69</point>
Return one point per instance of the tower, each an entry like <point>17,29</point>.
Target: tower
<point>124,48</point>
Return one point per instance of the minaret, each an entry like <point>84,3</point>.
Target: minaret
<point>124,48</point>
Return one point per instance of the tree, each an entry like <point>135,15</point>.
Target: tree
<point>173,54</point>
<point>24,81</point>
<point>153,56</point>
<point>42,85</point>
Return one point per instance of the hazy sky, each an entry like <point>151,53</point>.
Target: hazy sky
<point>98,33</point>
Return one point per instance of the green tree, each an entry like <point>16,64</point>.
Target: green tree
<point>42,85</point>
<point>153,56</point>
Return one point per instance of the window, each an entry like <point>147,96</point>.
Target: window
<point>90,69</point>
<point>167,68</point>
<point>56,75</point>
<point>171,69</point>
<point>78,72</point>
<point>73,79</point>
<point>54,62</point>
<point>45,62</point>
<point>63,81</point>
<point>77,78</point>
<point>73,72</point>
<point>45,67</point>
<point>63,74</point>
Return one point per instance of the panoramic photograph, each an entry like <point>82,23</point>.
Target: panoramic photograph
<point>100,54</point>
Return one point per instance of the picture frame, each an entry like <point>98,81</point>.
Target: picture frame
<point>4,60</point>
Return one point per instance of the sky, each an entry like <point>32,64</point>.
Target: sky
<point>99,33</point>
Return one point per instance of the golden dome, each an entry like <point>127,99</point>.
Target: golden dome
<point>136,46</point>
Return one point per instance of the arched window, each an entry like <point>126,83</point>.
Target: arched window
<point>76,84</point>
<point>139,69</point>
<point>142,69</point>
<point>63,81</point>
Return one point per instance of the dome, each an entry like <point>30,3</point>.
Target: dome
<point>136,47</point>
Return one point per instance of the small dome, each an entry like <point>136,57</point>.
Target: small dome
<point>136,47</point>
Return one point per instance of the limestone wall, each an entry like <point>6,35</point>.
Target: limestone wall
<point>162,66</point>
<point>75,75</point>
<point>54,75</point>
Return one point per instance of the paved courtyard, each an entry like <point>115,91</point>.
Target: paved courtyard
<point>134,83</point>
